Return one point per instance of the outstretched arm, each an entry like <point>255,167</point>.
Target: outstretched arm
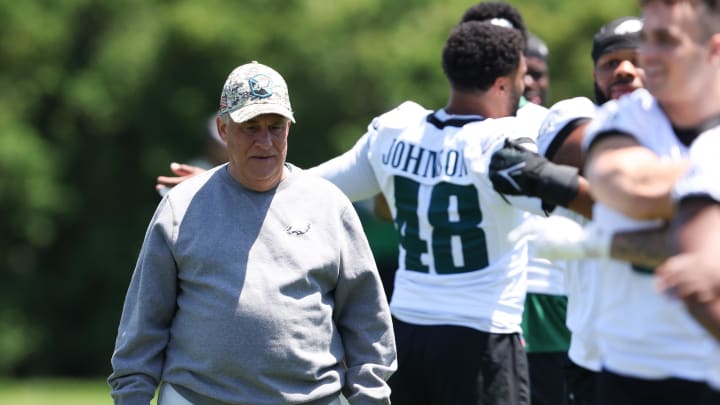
<point>351,172</point>
<point>515,170</point>
<point>630,178</point>
<point>560,238</point>
<point>182,172</point>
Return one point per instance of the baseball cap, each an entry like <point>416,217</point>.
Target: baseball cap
<point>556,121</point>
<point>536,47</point>
<point>620,33</point>
<point>254,89</point>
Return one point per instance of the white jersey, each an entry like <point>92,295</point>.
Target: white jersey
<point>581,277</point>
<point>714,369</point>
<point>532,116</point>
<point>455,265</point>
<point>543,276</point>
<point>702,179</point>
<point>644,333</point>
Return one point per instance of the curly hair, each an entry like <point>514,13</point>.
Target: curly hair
<point>487,11</point>
<point>477,53</point>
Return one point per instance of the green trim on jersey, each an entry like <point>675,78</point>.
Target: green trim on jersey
<point>643,270</point>
<point>523,102</point>
<point>543,323</point>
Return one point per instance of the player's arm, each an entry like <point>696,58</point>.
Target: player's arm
<point>351,172</point>
<point>515,170</point>
<point>630,178</point>
<point>694,272</point>
<point>566,146</point>
<point>646,247</point>
<point>181,173</point>
<point>566,149</point>
<point>561,238</point>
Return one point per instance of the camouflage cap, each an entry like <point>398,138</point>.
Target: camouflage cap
<point>254,89</point>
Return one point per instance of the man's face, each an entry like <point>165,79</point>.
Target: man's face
<point>536,80</point>
<point>617,73</point>
<point>257,149</point>
<point>674,57</point>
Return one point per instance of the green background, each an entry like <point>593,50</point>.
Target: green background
<point>97,97</point>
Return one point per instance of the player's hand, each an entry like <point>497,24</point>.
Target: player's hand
<point>560,238</point>
<point>515,170</point>
<point>695,278</point>
<point>182,172</point>
<point>693,275</point>
<point>508,169</point>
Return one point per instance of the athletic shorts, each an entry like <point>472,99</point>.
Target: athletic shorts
<point>580,385</point>
<point>455,365</point>
<point>615,389</point>
<point>547,378</point>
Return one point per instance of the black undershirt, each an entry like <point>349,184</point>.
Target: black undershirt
<point>688,135</point>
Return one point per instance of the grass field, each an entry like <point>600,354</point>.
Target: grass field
<point>58,391</point>
<point>55,391</point>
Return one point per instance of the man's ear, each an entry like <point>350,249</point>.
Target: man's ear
<point>501,84</point>
<point>221,128</point>
<point>714,44</point>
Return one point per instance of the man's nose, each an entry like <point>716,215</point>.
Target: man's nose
<point>626,68</point>
<point>528,80</point>
<point>263,136</point>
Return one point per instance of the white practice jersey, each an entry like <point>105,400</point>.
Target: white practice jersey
<point>455,264</point>
<point>581,277</point>
<point>543,276</point>
<point>641,332</point>
<point>702,180</point>
<point>584,286</point>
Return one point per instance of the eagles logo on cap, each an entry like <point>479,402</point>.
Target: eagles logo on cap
<point>254,89</point>
<point>260,86</point>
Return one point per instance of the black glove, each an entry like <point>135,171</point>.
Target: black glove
<point>515,170</point>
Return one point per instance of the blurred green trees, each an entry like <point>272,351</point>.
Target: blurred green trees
<point>97,97</point>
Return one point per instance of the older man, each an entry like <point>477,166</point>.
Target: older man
<point>226,305</point>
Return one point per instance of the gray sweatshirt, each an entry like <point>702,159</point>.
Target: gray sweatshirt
<point>244,297</point>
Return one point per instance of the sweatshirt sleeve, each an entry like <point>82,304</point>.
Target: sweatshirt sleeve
<point>143,334</point>
<point>363,319</point>
<point>351,172</point>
